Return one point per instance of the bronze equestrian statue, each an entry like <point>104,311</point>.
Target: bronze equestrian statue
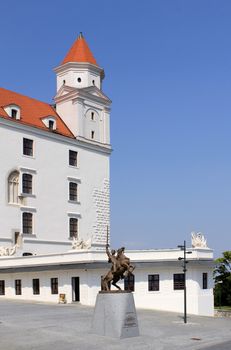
<point>120,268</point>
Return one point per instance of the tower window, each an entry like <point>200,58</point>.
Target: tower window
<point>28,147</point>
<point>73,229</point>
<point>79,80</point>
<point>27,183</point>
<point>72,158</point>
<point>93,82</point>
<point>73,191</point>
<point>27,223</point>
<point>14,113</point>
<point>92,135</point>
<point>92,116</point>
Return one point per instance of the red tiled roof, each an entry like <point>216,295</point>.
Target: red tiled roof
<point>31,111</point>
<point>80,52</point>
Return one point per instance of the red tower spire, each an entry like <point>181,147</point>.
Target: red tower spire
<point>80,52</point>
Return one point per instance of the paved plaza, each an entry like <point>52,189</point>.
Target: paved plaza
<point>41,326</point>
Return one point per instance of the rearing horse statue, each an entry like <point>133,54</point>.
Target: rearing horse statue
<point>120,268</point>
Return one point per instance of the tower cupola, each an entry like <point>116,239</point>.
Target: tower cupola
<point>79,68</point>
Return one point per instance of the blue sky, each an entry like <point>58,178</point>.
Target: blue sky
<point>168,73</point>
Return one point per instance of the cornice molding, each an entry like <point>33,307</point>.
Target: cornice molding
<point>77,65</point>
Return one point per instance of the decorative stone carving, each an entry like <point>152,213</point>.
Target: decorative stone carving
<point>8,251</point>
<point>79,244</point>
<point>198,240</point>
<point>101,199</point>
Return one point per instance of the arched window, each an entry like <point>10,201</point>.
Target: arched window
<point>13,181</point>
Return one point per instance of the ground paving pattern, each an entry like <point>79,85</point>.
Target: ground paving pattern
<point>43,326</point>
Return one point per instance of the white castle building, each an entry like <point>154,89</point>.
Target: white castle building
<point>55,201</point>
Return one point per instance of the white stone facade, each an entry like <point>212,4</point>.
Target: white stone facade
<point>86,111</point>
<point>89,266</point>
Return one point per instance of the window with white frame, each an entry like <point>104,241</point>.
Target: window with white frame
<point>28,147</point>
<point>129,283</point>
<point>27,223</point>
<point>36,286</point>
<point>13,111</point>
<point>178,281</point>
<point>13,183</point>
<point>18,287</point>
<point>73,158</point>
<point>54,285</point>
<point>2,287</point>
<point>73,191</point>
<point>205,280</point>
<point>27,183</point>
<point>73,228</point>
<point>153,282</point>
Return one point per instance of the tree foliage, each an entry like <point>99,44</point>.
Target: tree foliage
<point>222,277</point>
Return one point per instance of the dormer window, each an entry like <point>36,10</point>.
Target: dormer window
<point>13,111</point>
<point>50,122</point>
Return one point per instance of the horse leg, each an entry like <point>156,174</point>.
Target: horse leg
<point>114,281</point>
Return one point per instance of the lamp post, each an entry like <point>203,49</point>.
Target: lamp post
<point>183,247</point>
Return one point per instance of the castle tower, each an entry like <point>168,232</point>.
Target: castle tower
<point>80,101</point>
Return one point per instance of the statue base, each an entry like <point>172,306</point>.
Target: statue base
<point>115,315</point>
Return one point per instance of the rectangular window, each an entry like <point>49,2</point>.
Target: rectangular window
<point>27,183</point>
<point>73,228</point>
<point>2,287</point>
<point>73,191</point>
<point>18,287</point>
<point>28,147</point>
<point>54,285</point>
<point>129,283</point>
<point>27,223</point>
<point>178,281</point>
<point>153,283</point>
<point>72,158</point>
<point>35,284</point>
<point>205,280</point>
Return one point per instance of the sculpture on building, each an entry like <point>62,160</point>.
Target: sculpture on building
<point>198,240</point>
<point>78,244</point>
<point>120,268</point>
<point>8,251</point>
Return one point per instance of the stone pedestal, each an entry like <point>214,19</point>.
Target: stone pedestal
<point>115,315</point>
